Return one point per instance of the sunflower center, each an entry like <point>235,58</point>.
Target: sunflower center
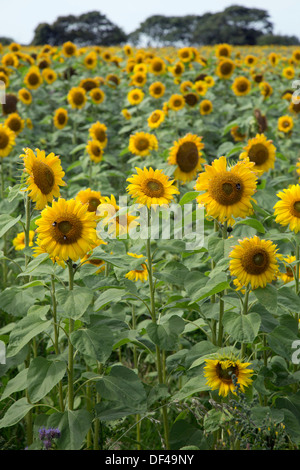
<point>100,135</point>
<point>226,68</point>
<point>43,177</point>
<point>15,125</point>
<point>258,154</point>
<point>78,98</point>
<point>296,208</point>
<point>61,118</point>
<point>187,157</point>
<point>142,144</point>
<point>225,374</point>
<point>191,99</point>
<point>64,227</point>
<point>4,139</point>
<point>242,86</point>
<point>67,230</point>
<point>155,117</point>
<point>226,189</point>
<point>255,261</point>
<point>93,204</point>
<point>177,103</point>
<point>96,150</point>
<point>157,90</point>
<point>285,124</point>
<point>154,188</point>
<point>157,66</point>
<point>33,79</point>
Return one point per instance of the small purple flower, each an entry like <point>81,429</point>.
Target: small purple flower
<point>47,444</point>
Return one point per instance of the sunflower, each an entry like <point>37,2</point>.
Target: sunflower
<point>176,102</point>
<point>49,75</point>
<point>15,123</point>
<point>77,97</point>
<point>288,72</point>
<point>186,86</point>
<point>237,135</point>
<point>142,143</point>
<point>254,261</point>
<point>118,223</point>
<point>185,54</point>
<point>285,124</point>
<point>137,274</point>
<point>95,150</point>
<point>90,60</point>
<point>19,240</point>
<point>126,114</point>
<point>206,107</point>
<point>273,58</point>
<point>88,84</point>
<point>88,258</point>
<point>177,69</point>
<point>10,60</point>
<point>67,229</point>
<point>209,81</point>
<point>221,374</point>
<point>294,106</point>
<point>186,154</point>
<point>223,50</point>
<point>98,132</point>
<point>97,95</point>
<point>33,79</point>
<point>225,68</point>
<point>150,186</point>
<point>10,105</point>
<point>265,89</point>
<point>4,80</point>
<point>157,66</point>
<point>227,192</point>
<point>60,118</point>
<point>44,176</point>
<point>135,96</point>
<point>296,56</point>
<point>289,273</point>
<point>156,118</point>
<point>260,151</point>
<point>91,198</point>
<point>250,60</point>
<point>25,96</point>
<point>128,50</point>
<point>287,210</point>
<point>157,89</point>
<point>139,79</point>
<point>241,86</point>
<point>201,87</point>
<point>69,49</point>
<point>7,140</point>
<point>191,99</point>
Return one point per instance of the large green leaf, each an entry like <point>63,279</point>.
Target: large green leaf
<point>166,334</point>
<point>74,303</point>
<point>25,330</point>
<point>243,328</point>
<point>15,413</point>
<point>96,342</point>
<point>43,375</point>
<point>7,222</point>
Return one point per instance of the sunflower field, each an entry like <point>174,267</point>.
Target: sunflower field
<point>117,331</point>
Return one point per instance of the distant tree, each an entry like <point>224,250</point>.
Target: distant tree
<point>6,41</point>
<point>91,28</point>
<point>277,39</point>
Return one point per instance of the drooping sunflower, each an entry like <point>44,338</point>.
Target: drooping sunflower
<point>156,118</point>
<point>287,210</point>
<point>25,96</point>
<point>77,97</point>
<point>290,269</point>
<point>33,78</point>
<point>10,105</point>
<point>90,259</point>
<point>254,261</point>
<point>157,89</point>
<point>176,102</point>
<point>205,107</point>
<point>60,118</point>
<point>237,134</point>
<point>151,187</point>
<point>142,143</point>
<point>97,95</point>
<point>44,176</point>
<point>95,150</point>
<point>219,373</point>
<point>67,229</point>
<point>91,198</point>
<point>135,96</point>
<point>137,274</point>
<point>285,124</point>
<point>265,89</point>
<point>7,140</point>
<point>186,86</point>
<point>19,240</point>
<point>225,68</point>
<point>227,192</point>
<point>15,123</point>
<point>186,154</point>
<point>241,86</point>
<point>260,151</point>
<point>98,132</point>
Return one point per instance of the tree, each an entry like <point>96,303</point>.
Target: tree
<point>277,39</point>
<point>6,41</point>
<point>88,29</point>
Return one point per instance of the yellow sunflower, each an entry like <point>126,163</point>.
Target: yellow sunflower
<point>185,54</point>
<point>205,107</point>
<point>67,229</point>
<point>126,114</point>
<point>60,118</point>
<point>285,124</point>
<point>118,223</point>
<point>25,96</point>
<point>137,274</point>
<point>223,50</point>
<point>135,96</point>
<point>288,72</point>
<point>290,269</point>
<point>156,118</point>
<point>227,192</point>
<point>142,143</point>
<point>69,49</point>
<point>15,123</point>
<point>91,198</point>
<point>221,373</point>
<point>139,79</point>
<point>49,75</point>
<point>97,95</point>
<point>19,240</point>
<point>95,150</point>
<point>90,60</point>
<point>186,154</point>
<point>191,99</point>
<point>250,60</point>
<point>225,68</point>
<point>77,97</point>
<point>88,84</point>
<point>287,210</point>
<point>254,261</point>
<point>44,176</point>
<point>33,78</point>
<point>237,135</point>
<point>157,89</point>
<point>201,87</point>
<point>7,140</point>
<point>241,86</point>
<point>260,151</point>
<point>265,89</point>
<point>98,132</point>
<point>88,258</point>
<point>151,187</point>
<point>157,66</point>
<point>176,102</point>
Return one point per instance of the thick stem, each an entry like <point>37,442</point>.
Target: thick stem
<point>56,339</point>
<point>244,312</point>
<point>70,346</point>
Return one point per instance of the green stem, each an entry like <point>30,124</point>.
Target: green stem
<point>135,364</point>
<point>244,312</point>
<point>70,346</point>
<point>56,338</point>
<point>297,268</point>
<point>27,226</point>
<point>97,421</point>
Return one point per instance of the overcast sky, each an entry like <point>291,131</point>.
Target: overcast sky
<point>20,17</point>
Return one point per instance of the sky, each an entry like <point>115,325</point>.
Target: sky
<point>23,16</point>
